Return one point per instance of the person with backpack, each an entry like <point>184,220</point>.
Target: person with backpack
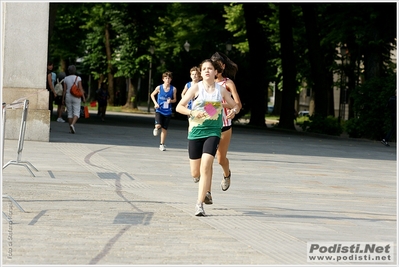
<point>59,89</point>
<point>392,110</point>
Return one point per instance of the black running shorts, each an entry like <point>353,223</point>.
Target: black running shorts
<point>207,145</point>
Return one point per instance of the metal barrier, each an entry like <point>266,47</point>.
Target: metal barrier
<point>25,105</point>
<point>3,137</point>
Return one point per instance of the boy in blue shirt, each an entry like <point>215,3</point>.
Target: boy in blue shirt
<point>166,95</point>
<point>195,75</point>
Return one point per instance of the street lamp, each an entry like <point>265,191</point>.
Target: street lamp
<point>152,49</point>
<point>186,46</point>
<point>229,46</point>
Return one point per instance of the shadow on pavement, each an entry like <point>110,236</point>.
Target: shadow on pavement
<point>133,129</point>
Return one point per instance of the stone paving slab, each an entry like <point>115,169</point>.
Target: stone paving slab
<point>106,195</point>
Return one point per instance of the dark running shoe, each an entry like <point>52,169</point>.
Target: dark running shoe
<point>208,198</point>
<point>385,143</point>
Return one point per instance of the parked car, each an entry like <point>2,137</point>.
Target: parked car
<point>303,113</point>
<point>270,109</point>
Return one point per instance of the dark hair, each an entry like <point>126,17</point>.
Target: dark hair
<point>230,68</point>
<point>167,74</point>
<point>214,64</point>
<point>61,75</point>
<point>195,68</point>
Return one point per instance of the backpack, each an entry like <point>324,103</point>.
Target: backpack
<point>59,89</point>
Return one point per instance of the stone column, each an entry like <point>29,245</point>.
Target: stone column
<point>24,66</point>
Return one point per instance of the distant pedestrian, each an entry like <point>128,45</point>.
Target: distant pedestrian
<point>392,110</point>
<point>50,86</point>
<point>118,98</point>
<point>58,98</point>
<point>205,124</point>
<point>166,95</point>
<point>102,99</point>
<point>72,103</point>
<point>195,75</point>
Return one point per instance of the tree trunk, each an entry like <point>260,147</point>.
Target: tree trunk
<point>131,99</point>
<point>109,70</point>
<point>277,97</point>
<point>317,65</point>
<point>257,57</point>
<point>288,67</point>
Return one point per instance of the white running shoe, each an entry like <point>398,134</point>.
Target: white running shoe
<point>199,210</point>
<point>60,120</point>
<point>72,128</point>
<point>162,147</point>
<point>155,132</point>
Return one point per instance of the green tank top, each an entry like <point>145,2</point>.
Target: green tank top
<point>211,124</point>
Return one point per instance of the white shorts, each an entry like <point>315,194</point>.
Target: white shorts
<point>73,106</point>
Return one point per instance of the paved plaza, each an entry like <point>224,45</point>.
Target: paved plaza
<point>107,195</point>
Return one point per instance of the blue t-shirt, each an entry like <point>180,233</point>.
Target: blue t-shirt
<point>164,108</point>
<point>53,77</point>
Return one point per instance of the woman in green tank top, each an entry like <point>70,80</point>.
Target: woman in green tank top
<point>205,124</point>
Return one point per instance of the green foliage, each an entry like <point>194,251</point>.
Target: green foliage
<point>68,33</point>
<point>235,23</point>
<point>300,120</point>
<point>372,118</point>
<point>134,27</point>
<point>323,125</point>
<point>354,128</point>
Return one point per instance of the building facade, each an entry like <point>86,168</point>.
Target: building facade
<point>23,67</point>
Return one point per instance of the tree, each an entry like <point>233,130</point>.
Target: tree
<point>294,45</point>
<point>257,45</point>
<point>100,44</point>
<point>65,42</point>
<point>319,75</point>
<point>288,67</point>
<point>138,23</point>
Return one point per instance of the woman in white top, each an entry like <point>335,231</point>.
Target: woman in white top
<point>205,124</point>
<point>227,71</point>
<point>72,103</point>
